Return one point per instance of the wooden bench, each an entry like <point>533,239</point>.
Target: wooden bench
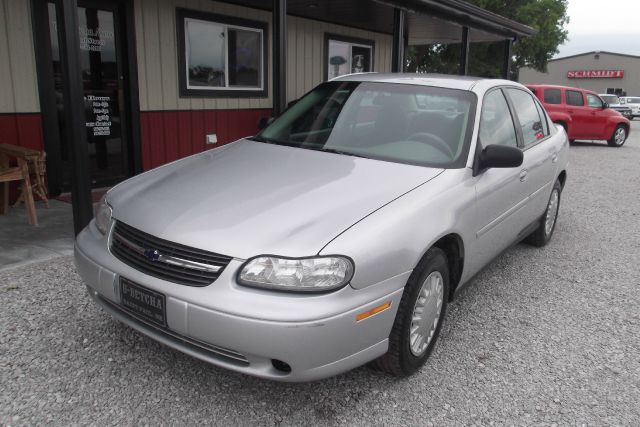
<point>24,157</point>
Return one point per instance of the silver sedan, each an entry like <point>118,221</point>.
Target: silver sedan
<point>337,235</point>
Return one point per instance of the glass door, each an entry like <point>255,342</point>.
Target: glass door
<point>103,81</point>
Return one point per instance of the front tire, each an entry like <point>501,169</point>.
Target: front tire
<point>420,315</point>
<point>541,236</point>
<point>619,136</point>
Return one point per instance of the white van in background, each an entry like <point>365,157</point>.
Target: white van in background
<point>632,102</point>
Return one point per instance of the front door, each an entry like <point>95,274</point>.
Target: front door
<point>580,115</point>
<point>501,192</point>
<point>104,79</point>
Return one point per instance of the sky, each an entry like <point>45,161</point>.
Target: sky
<point>611,25</point>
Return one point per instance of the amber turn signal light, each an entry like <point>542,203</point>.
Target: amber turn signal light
<point>373,311</point>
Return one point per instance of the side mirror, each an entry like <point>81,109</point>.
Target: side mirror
<point>605,106</point>
<point>497,156</point>
<point>263,122</point>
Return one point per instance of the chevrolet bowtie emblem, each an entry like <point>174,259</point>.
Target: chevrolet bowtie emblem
<point>152,254</point>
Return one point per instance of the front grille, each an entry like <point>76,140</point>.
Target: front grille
<point>166,260</point>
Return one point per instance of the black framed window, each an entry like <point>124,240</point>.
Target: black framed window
<point>346,55</point>
<point>221,56</point>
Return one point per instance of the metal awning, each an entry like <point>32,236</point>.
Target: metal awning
<point>377,15</point>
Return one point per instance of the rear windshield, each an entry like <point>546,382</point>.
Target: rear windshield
<point>552,96</point>
<point>412,124</point>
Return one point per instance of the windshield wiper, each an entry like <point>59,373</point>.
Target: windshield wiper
<point>260,138</point>
<point>346,153</point>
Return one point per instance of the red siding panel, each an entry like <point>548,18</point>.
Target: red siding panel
<point>184,133</point>
<point>145,142</point>
<point>170,135</point>
<point>23,129</point>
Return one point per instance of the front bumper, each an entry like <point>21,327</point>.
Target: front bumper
<point>246,329</point>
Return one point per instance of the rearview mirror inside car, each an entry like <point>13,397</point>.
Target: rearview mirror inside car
<point>497,156</point>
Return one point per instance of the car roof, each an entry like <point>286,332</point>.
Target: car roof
<point>438,80</point>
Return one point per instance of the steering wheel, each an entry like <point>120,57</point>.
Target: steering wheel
<point>433,140</point>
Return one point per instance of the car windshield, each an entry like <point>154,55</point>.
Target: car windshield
<point>412,124</point>
<point>609,99</point>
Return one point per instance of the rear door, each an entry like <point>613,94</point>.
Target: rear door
<point>540,153</point>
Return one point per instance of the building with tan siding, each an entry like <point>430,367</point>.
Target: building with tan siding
<point>601,72</point>
<point>151,81</point>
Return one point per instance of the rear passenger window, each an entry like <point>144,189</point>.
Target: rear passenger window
<point>496,124</point>
<point>543,119</point>
<point>575,98</point>
<point>527,111</point>
<point>552,96</point>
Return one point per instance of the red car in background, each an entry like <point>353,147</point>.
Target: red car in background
<point>583,114</point>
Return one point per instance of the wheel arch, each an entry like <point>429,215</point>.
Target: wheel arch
<point>564,124</point>
<point>562,177</point>
<point>453,246</point>
<point>626,127</point>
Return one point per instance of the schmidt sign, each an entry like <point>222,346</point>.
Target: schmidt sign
<point>595,74</point>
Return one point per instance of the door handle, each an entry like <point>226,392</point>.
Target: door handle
<point>523,175</point>
<point>554,157</point>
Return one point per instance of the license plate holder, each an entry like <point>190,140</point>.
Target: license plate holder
<point>143,302</point>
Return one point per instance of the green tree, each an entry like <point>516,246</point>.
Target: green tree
<point>548,17</point>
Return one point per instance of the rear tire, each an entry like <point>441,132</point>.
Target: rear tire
<point>619,136</point>
<point>541,236</point>
<point>420,316</point>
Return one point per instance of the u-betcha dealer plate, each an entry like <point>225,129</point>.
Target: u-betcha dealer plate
<point>142,302</point>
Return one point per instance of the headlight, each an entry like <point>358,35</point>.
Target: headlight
<point>103,215</point>
<point>315,274</point>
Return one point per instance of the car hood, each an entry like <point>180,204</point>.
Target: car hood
<point>250,198</point>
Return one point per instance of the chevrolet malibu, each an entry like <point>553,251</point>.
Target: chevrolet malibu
<point>338,234</point>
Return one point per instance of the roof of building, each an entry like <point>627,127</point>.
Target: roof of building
<point>593,52</point>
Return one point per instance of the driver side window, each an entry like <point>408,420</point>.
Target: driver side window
<point>496,123</point>
<point>594,101</point>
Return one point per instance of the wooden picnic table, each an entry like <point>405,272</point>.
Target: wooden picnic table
<point>28,161</point>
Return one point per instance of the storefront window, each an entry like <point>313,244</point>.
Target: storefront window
<point>220,55</point>
<point>347,55</point>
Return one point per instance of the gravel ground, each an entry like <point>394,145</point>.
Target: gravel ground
<point>542,337</point>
